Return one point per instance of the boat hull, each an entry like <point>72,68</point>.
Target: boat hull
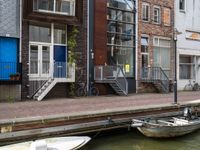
<point>59,143</point>
<point>168,131</point>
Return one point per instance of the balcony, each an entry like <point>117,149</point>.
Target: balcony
<point>10,73</point>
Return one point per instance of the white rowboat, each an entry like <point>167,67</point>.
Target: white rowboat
<point>58,143</point>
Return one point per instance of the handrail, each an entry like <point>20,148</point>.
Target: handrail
<point>155,74</point>
<point>35,91</point>
<point>60,71</point>
<point>111,73</point>
<point>123,85</point>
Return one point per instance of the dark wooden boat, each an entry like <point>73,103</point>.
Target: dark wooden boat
<point>165,128</point>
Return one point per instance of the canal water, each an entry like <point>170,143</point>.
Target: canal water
<point>133,140</point>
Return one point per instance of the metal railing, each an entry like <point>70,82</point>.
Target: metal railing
<point>156,75</point>
<point>60,71</point>
<point>110,73</point>
<point>8,69</point>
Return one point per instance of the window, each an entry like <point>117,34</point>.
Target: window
<point>162,54</point>
<point>121,4</point>
<point>121,34</point>
<point>144,51</point>
<point>46,41</point>
<point>45,59</point>
<point>43,5</point>
<point>40,33</point>
<point>186,67</point>
<point>156,15</point>
<point>167,16</point>
<point>182,5</point>
<point>145,12</point>
<point>33,59</point>
<point>66,7</point>
<point>60,34</point>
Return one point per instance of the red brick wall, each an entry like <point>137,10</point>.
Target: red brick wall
<point>59,90</point>
<point>150,29</point>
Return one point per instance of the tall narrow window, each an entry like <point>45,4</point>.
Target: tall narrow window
<point>162,54</point>
<point>45,59</point>
<point>144,51</point>
<point>167,16</point>
<point>34,59</point>
<point>156,14</point>
<point>121,35</point>
<point>182,5</point>
<point>145,12</point>
<point>60,34</point>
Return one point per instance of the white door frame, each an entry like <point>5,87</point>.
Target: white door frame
<point>40,75</point>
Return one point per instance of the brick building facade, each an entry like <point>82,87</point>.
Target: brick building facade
<point>57,23</point>
<point>155,40</point>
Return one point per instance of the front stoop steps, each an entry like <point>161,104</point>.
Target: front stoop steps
<point>44,90</point>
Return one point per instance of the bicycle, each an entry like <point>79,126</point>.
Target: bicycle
<point>192,87</point>
<point>82,90</point>
<point>82,86</point>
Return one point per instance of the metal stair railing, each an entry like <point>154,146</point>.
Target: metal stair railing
<point>110,74</point>
<point>155,75</point>
<point>61,70</point>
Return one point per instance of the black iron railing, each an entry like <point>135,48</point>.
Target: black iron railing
<point>155,75</point>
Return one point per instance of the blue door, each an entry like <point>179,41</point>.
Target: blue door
<point>8,57</point>
<point>60,65</point>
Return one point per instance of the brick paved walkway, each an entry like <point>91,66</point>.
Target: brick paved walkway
<point>89,104</point>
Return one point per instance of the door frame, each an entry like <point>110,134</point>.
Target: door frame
<point>40,75</point>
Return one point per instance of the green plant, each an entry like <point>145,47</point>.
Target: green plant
<point>10,99</point>
<point>72,43</point>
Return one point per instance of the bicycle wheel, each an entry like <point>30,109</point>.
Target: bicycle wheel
<point>94,91</point>
<point>81,92</point>
<point>196,87</point>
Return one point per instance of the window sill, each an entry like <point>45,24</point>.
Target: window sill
<point>182,11</point>
<point>155,23</point>
<point>53,12</point>
<point>146,21</point>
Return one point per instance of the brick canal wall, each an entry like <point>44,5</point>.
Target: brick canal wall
<point>15,130</point>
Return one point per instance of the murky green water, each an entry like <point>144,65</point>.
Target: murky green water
<point>133,140</point>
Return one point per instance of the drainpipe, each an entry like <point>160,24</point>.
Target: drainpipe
<point>136,44</point>
<point>90,52</point>
<point>20,31</point>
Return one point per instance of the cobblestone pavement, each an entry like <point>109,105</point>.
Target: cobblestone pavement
<point>89,104</point>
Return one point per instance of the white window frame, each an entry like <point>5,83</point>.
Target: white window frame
<point>158,21</point>
<point>145,5</point>
<point>72,13</point>
<point>158,45</point>
<point>39,75</point>
<point>145,53</point>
